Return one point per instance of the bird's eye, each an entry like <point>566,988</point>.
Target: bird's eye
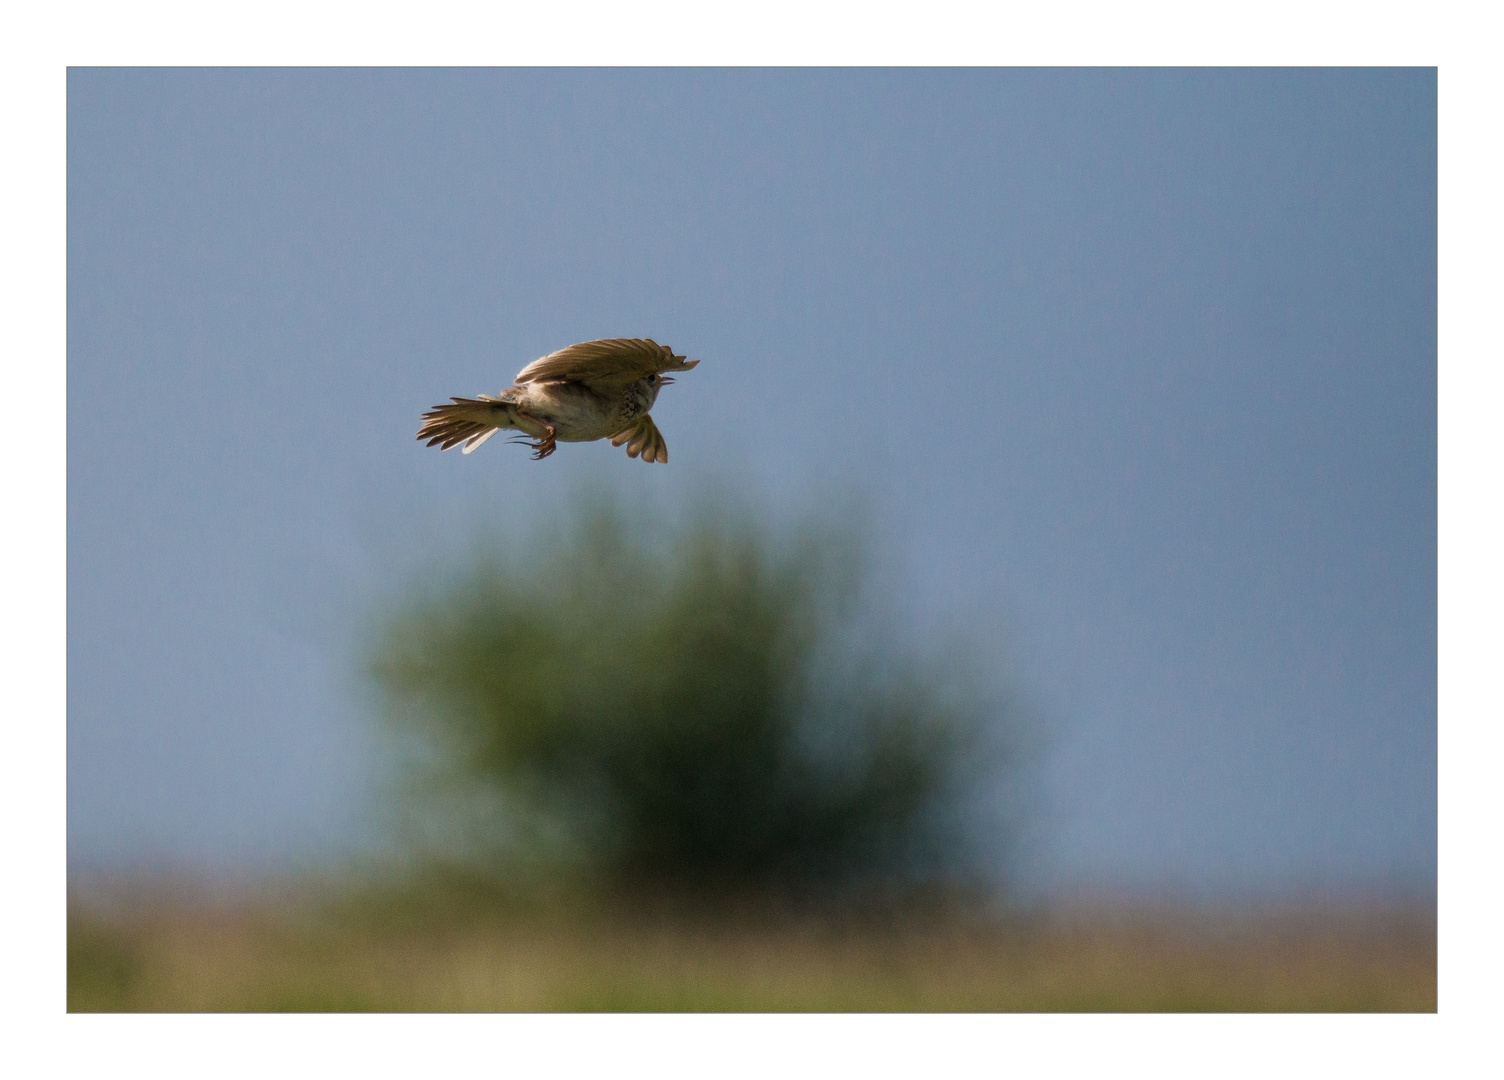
<point>652,379</point>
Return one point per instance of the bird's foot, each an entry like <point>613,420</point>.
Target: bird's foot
<point>544,444</point>
<point>541,448</point>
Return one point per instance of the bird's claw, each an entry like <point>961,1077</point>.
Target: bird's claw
<point>542,446</point>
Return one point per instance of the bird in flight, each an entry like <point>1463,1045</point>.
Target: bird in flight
<point>593,390</point>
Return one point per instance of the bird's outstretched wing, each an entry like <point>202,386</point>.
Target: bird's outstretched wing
<point>643,437</point>
<point>610,363</point>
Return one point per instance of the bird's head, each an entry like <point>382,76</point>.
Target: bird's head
<point>659,379</point>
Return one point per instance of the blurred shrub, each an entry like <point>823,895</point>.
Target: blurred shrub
<point>704,706</point>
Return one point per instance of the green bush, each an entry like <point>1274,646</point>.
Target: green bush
<point>704,707</point>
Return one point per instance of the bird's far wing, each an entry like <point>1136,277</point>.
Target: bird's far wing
<point>610,362</point>
<point>643,437</point>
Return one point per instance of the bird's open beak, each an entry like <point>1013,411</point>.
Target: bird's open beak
<point>664,380</point>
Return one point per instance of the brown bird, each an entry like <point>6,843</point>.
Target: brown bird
<point>593,390</point>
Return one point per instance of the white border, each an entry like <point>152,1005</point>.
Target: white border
<point>42,41</point>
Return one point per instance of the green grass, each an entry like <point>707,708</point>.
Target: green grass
<point>394,955</point>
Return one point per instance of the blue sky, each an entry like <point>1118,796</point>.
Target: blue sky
<point>1136,370</point>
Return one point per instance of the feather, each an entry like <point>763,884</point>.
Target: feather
<point>610,363</point>
<point>465,420</point>
<point>643,439</point>
<point>477,440</point>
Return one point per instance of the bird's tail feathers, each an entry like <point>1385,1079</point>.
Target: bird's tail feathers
<point>468,420</point>
<point>476,440</point>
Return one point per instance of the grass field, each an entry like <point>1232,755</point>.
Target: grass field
<point>402,956</point>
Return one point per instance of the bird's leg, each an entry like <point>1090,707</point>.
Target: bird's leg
<point>544,444</point>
